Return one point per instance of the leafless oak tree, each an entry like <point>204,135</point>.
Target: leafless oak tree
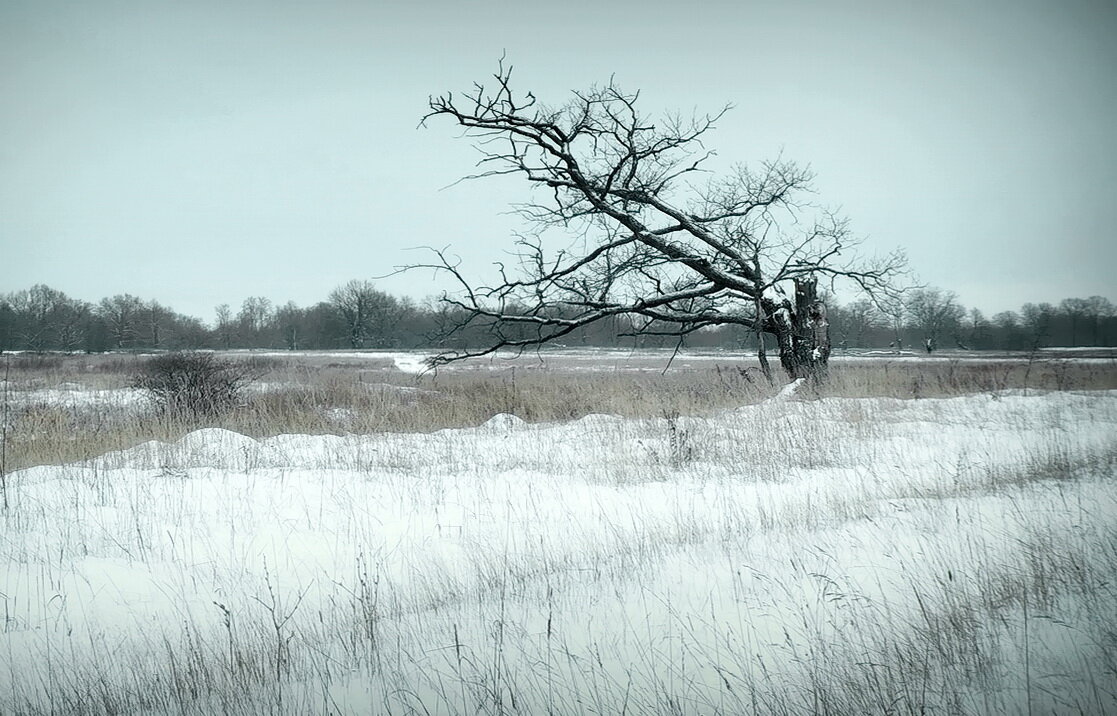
<point>369,314</point>
<point>657,240</point>
<point>122,314</point>
<point>936,314</point>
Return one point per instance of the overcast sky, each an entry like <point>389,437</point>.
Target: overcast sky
<point>201,152</point>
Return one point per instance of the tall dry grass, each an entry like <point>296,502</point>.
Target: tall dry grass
<point>324,394</point>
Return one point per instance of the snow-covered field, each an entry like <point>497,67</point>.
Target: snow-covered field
<point>830,556</point>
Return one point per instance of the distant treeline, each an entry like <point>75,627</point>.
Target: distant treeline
<point>357,315</point>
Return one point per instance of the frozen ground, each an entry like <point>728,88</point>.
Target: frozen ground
<point>842,556</point>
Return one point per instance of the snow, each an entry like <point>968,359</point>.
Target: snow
<point>404,361</point>
<point>409,362</point>
<point>75,396</point>
<point>773,552</point>
<point>788,391</point>
<point>503,421</point>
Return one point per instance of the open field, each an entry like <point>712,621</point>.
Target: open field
<point>576,534</point>
<point>63,408</point>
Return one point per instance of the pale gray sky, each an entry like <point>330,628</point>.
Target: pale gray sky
<point>199,153</point>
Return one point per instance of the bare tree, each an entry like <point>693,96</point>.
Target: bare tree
<point>674,254</point>
<point>1010,329</point>
<point>862,317</point>
<point>122,314</point>
<point>7,325</point>
<point>44,318</point>
<point>225,327</point>
<point>979,331</point>
<point>1076,310</point>
<point>158,318</point>
<point>253,320</point>
<point>935,313</point>
<point>1037,319</point>
<point>1100,311</point>
<point>1089,313</point>
<point>289,319</point>
<point>370,315</point>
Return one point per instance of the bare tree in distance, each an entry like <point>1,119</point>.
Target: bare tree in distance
<point>1038,319</point>
<point>370,314</point>
<point>979,329</point>
<point>1099,310</point>
<point>158,317</point>
<point>48,319</point>
<point>123,314</point>
<point>224,327</point>
<point>936,314</point>
<point>655,238</point>
<point>354,302</point>
<point>858,319</point>
<point>1088,313</point>
<point>253,320</point>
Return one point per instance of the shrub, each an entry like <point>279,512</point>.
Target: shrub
<point>194,385</point>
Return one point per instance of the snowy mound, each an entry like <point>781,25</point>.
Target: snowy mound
<point>594,420</point>
<point>787,392</point>
<point>208,447</point>
<point>215,446</point>
<point>217,440</point>
<point>503,421</point>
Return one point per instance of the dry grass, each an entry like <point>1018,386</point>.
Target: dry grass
<point>319,394</point>
<point>874,378</point>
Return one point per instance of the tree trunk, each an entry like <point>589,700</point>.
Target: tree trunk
<point>761,349</point>
<point>803,334</point>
